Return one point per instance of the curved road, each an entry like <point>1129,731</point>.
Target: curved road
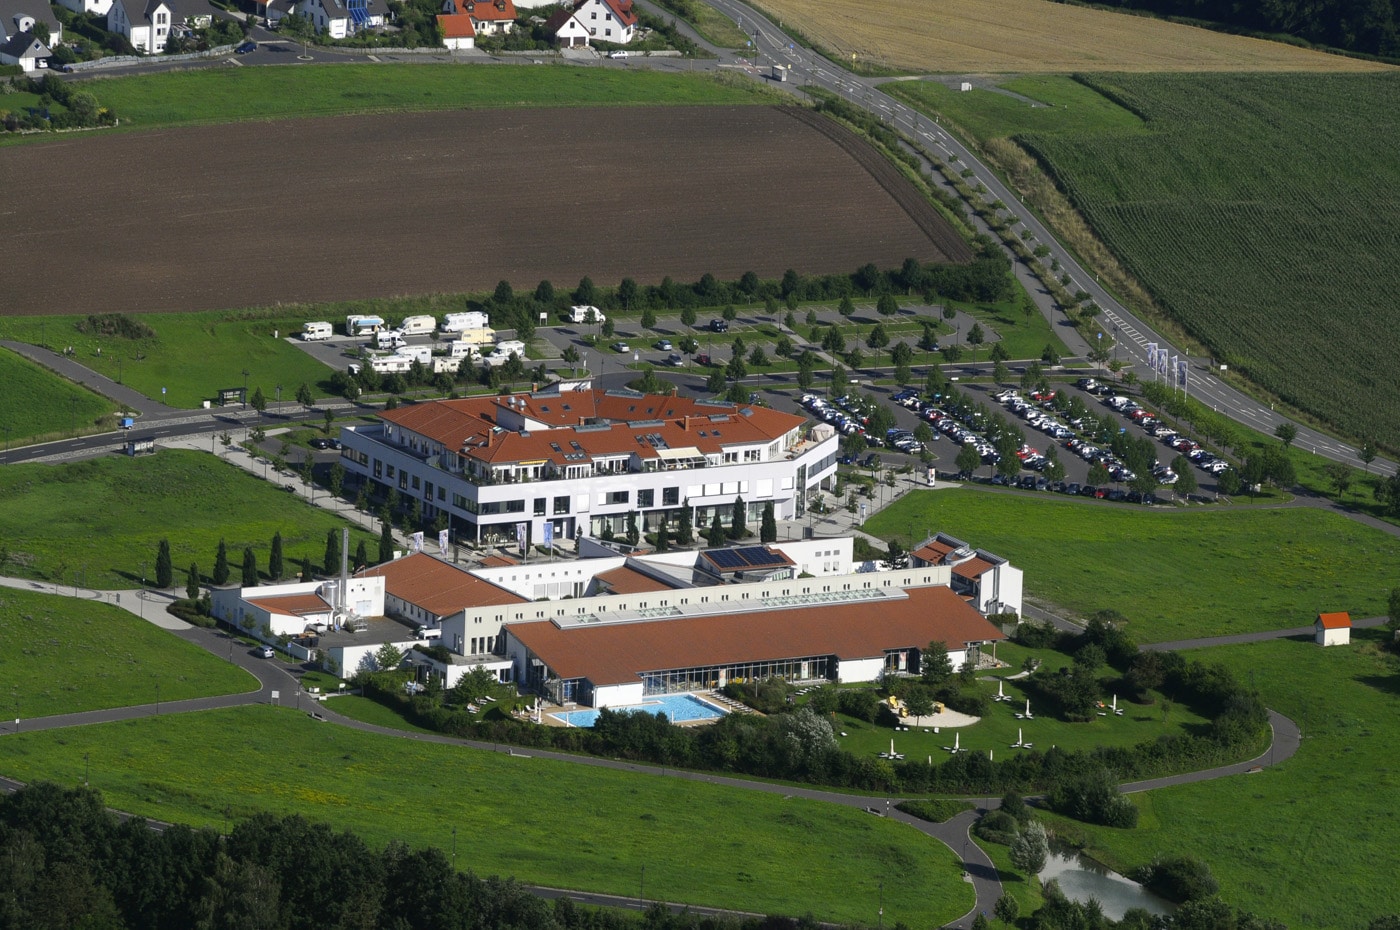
<point>274,675</point>
<point>772,46</point>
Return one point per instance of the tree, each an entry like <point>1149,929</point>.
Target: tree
<point>758,358</point>
<point>887,305</point>
<point>715,538</point>
<point>634,535</point>
<point>327,420</point>
<point>274,558</point>
<point>1007,909</point>
<point>1031,849</point>
<point>1185,476</point>
<point>544,292</point>
<point>1286,433</point>
<point>250,569</point>
<point>332,560</point>
<point>1098,474</point>
<point>627,293</point>
<point>688,316</point>
<point>769,531</point>
<point>388,657</point>
<point>729,313</point>
<point>192,582</point>
<point>304,395</point>
<point>221,569</point>
<point>663,538</point>
<point>609,327</point>
<point>361,556</point>
<point>878,338</point>
<point>846,307</point>
<point>901,354</point>
<point>1228,482</point>
<point>386,542</point>
<point>968,460</point>
<point>649,318</point>
<point>685,532</point>
<point>586,294</point>
<point>1367,454</point>
<point>737,519</point>
<point>998,353</point>
<point>936,668</point>
<point>975,337</point>
<point>337,479</point>
<point>259,401</point>
<point>736,370</point>
<point>165,572</point>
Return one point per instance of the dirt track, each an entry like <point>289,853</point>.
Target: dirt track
<point>340,208</point>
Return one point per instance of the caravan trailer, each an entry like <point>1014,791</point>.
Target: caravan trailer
<point>359,325</point>
<point>418,325</point>
<point>456,322</point>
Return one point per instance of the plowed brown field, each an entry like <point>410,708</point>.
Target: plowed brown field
<point>375,206</point>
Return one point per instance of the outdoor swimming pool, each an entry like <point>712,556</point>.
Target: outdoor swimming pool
<point>677,707</point>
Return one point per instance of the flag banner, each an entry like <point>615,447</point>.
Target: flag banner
<point>1181,372</point>
<point>520,529</point>
<point>549,535</point>
<point>442,542</point>
<point>418,542</point>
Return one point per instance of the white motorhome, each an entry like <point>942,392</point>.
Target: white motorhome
<point>461,348</point>
<point>316,332</point>
<point>446,364</point>
<point>456,322</point>
<point>509,346</point>
<point>360,325</point>
<point>418,325</point>
<point>385,364</point>
<point>580,314</point>
<point>483,336</point>
<point>388,339</point>
<point>423,354</point>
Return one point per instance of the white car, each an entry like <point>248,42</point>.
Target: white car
<point>617,54</point>
<point>265,652</point>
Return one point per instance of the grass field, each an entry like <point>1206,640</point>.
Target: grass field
<point>192,356</point>
<point>1033,36</point>
<point>544,822</point>
<point>1264,835</point>
<point>208,95</point>
<point>62,655</point>
<point>101,520</point>
<point>1173,574</point>
<point>1314,224</point>
<point>1061,105</point>
<point>38,403</point>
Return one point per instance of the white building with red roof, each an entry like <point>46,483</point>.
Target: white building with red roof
<point>463,20</point>
<point>990,582</point>
<point>579,460</point>
<point>1333,629</point>
<point>613,21</point>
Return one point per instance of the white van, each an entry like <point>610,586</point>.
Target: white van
<point>389,339</point>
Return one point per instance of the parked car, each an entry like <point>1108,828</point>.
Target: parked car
<point>265,652</point>
<point>719,326</point>
<point>621,347</point>
<point>664,345</point>
<point>618,54</point>
<point>871,461</point>
<point>246,47</point>
<point>704,359</point>
<point>320,443</point>
<point>675,359</point>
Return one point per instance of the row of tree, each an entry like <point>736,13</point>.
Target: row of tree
<point>67,862</point>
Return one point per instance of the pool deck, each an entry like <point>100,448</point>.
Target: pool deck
<point>548,711</point>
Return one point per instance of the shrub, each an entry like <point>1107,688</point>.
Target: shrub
<point>998,827</point>
<point>1179,879</point>
<point>935,810</point>
<point>1093,797</point>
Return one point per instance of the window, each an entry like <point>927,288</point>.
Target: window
<point>670,497</point>
<point>403,480</point>
<point>607,32</point>
<point>389,472</point>
<point>593,15</point>
<point>619,497</point>
<point>160,18</point>
<point>415,482</point>
<point>427,489</point>
<point>561,504</point>
<point>515,506</point>
<point>646,498</point>
<point>539,506</point>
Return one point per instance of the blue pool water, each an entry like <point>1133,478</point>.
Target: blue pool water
<point>676,707</point>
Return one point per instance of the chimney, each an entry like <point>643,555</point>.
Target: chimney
<point>685,423</point>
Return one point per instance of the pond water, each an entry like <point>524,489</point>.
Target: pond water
<point>1081,879</point>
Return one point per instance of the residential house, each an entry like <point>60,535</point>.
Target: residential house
<point>342,18</point>
<point>95,7</point>
<point>148,24</point>
<point>32,16</point>
<point>1332,629</point>
<point>594,20</point>
<point>463,20</point>
<point>26,51</point>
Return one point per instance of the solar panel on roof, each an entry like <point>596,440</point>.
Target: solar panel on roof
<point>757,557</point>
<point>725,558</point>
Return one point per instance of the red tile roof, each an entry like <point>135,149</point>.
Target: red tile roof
<point>934,553</point>
<point>498,561</point>
<point>622,9</point>
<point>616,653</point>
<point>456,25</point>
<point>972,568</point>
<point>469,425</point>
<point>627,580</point>
<point>439,588</point>
<point>1336,621</point>
<point>295,604</point>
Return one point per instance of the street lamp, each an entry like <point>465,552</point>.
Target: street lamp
<point>642,891</point>
<point>119,369</point>
<point>73,415</point>
<point>157,699</point>
<point>245,389</point>
<point>279,400</point>
<point>141,595</point>
<point>85,770</point>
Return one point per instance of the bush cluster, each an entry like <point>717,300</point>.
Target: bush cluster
<point>114,325</point>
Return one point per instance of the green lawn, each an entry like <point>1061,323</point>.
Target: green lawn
<point>40,404</point>
<point>210,95</point>
<point>1324,812</point>
<point>1173,574</point>
<point>1065,106</point>
<point>544,822</point>
<point>62,655</point>
<point>367,710</point>
<point>103,519</point>
<point>225,343</point>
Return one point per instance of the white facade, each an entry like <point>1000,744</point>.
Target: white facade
<point>96,7</point>
<point>1336,636</point>
<point>146,28</point>
<point>604,24</point>
<point>572,33</point>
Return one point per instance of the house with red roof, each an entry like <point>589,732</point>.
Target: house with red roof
<point>990,582</point>
<point>1332,629</point>
<point>613,21</point>
<point>463,20</point>
<point>572,461</point>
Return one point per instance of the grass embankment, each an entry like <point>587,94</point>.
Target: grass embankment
<point>192,356</point>
<point>40,405</point>
<point>104,519</point>
<point>1285,234</point>
<point>213,96</point>
<point>544,822</point>
<point>1264,835</point>
<point>980,36</point>
<point>62,655</point>
<point>1173,574</point>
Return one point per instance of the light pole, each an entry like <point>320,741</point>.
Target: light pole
<point>157,699</point>
<point>85,770</point>
<point>245,389</point>
<point>454,849</point>
<point>642,891</point>
<point>882,905</point>
<point>119,369</point>
<point>141,595</point>
<point>279,400</point>
<point>73,415</point>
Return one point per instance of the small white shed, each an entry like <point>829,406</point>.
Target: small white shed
<point>1333,629</point>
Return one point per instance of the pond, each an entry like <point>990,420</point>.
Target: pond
<point>1081,879</point>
